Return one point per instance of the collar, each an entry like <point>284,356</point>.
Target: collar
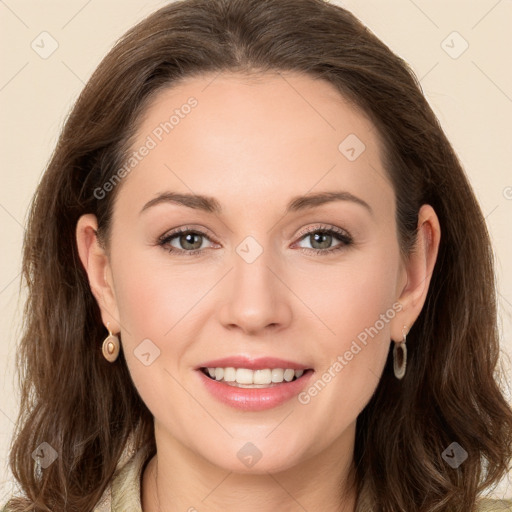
<point>124,492</point>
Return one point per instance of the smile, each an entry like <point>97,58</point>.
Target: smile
<point>246,378</point>
<point>254,390</point>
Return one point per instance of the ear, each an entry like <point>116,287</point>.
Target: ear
<point>96,263</point>
<point>418,269</point>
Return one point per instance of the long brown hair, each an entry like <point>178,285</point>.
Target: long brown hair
<point>87,409</point>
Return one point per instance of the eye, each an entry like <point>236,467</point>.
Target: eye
<point>189,241</point>
<point>321,239</point>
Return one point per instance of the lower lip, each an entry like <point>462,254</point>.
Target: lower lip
<point>255,399</point>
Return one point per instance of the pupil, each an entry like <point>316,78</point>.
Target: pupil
<point>326,236</point>
<point>187,236</point>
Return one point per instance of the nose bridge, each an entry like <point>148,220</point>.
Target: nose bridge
<point>256,297</point>
<point>253,280</point>
<point>251,265</point>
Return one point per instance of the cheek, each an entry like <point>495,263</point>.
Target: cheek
<point>356,310</point>
<point>350,296</point>
<point>152,296</point>
<point>153,301</point>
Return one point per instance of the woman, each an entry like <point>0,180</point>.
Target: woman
<point>258,280</point>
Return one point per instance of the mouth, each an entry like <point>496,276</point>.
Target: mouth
<point>255,379</point>
<point>253,384</point>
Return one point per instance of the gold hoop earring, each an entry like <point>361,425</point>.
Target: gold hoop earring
<point>400,356</point>
<point>110,347</point>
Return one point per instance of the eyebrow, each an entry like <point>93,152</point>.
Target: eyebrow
<point>298,203</point>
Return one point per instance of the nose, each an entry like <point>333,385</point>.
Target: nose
<point>256,298</point>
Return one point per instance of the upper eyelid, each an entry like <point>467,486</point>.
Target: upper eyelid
<point>313,229</point>
<point>186,229</point>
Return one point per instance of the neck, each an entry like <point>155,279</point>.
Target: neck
<point>176,479</point>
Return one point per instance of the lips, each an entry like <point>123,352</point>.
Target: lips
<point>255,397</point>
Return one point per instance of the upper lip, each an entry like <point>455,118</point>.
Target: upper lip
<point>259,363</point>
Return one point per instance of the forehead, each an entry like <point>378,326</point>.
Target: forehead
<point>248,139</point>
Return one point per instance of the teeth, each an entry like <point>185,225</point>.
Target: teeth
<point>262,376</point>
<point>277,375</point>
<point>229,374</point>
<point>244,376</point>
<point>258,378</point>
<point>289,374</point>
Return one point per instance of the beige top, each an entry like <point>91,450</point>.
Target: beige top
<point>124,493</point>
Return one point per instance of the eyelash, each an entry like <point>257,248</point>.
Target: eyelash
<point>340,234</point>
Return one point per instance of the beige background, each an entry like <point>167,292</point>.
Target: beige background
<point>470,91</point>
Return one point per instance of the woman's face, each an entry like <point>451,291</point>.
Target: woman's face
<point>260,277</point>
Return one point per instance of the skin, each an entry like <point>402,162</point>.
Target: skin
<point>253,144</point>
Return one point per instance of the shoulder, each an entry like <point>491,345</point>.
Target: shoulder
<point>130,475</point>
<point>489,505</point>
<point>124,492</point>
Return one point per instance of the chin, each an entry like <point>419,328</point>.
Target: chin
<point>249,459</point>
